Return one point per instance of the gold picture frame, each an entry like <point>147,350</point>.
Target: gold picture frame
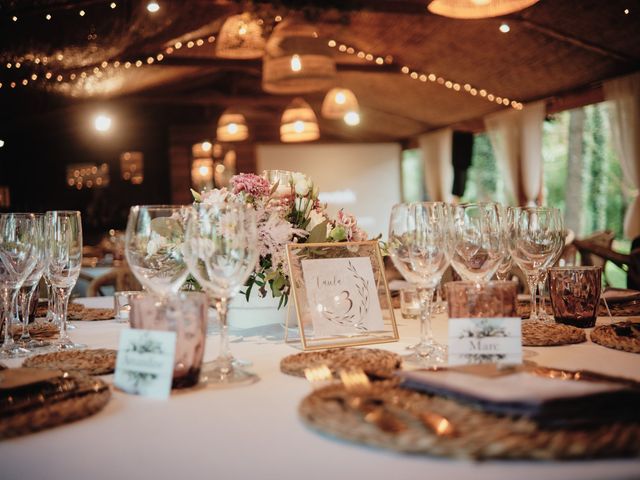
<point>296,253</point>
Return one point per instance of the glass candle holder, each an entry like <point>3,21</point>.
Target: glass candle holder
<point>122,304</point>
<point>575,294</point>
<point>185,314</point>
<point>409,303</point>
<point>485,299</point>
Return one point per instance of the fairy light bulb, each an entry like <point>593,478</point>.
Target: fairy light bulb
<point>298,126</point>
<point>340,98</point>
<point>296,64</point>
<point>352,118</point>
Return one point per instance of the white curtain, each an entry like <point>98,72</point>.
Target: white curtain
<point>624,111</point>
<point>531,149</point>
<point>516,139</point>
<point>503,129</point>
<point>438,170</point>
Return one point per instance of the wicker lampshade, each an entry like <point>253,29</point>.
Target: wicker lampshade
<point>202,150</point>
<point>232,127</point>
<point>202,173</point>
<point>299,123</point>
<point>338,102</point>
<point>477,8</point>
<point>240,37</point>
<point>296,60</point>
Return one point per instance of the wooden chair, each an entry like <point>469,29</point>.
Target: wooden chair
<point>602,253</point>
<point>121,278</point>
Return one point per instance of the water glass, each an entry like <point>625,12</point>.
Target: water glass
<point>575,294</point>
<point>486,299</point>
<point>185,314</point>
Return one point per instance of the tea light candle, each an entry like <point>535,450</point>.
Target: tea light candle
<point>124,312</point>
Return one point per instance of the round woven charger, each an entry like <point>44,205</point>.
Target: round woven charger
<point>37,330</point>
<point>92,314</point>
<point>541,334</point>
<point>621,336</point>
<point>100,361</point>
<point>373,361</point>
<point>479,435</point>
<point>90,396</point>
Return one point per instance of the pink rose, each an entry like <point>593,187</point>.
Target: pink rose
<point>251,184</point>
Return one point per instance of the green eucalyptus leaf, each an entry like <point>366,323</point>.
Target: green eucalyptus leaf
<point>318,234</point>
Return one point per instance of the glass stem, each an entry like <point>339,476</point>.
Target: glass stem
<point>225,353</point>
<point>532,281</point>
<point>541,284</point>
<point>426,334</point>
<point>7,314</point>
<point>25,298</point>
<point>62,303</point>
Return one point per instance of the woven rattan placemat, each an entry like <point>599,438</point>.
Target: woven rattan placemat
<point>100,361</point>
<point>621,336</point>
<point>59,406</point>
<point>374,361</point>
<point>478,435</point>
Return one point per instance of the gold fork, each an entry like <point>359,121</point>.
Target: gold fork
<point>356,381</point>
<point>358,386</point>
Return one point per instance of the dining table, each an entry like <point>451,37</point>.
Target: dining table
<point>254,431</point>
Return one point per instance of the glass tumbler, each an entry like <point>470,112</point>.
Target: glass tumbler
<point>575,294</point>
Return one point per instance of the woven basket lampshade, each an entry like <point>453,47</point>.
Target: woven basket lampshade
<point>232,127</point>
<point>299,123</point>
<point>467,9</point>
<point>240,37</point>
<point>297,61</point>
<point>202,173</point>
<point>338,102</point>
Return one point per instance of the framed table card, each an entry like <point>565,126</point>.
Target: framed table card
<point>341,294</point>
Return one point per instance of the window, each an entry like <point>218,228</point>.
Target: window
<point>412,176</point>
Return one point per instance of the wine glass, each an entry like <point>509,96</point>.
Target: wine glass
<point>30,284</point>
<point>63,246</point>
<point>534,243</point>
<point>153,247</point>
<point>17,259</point>
<point>477,241</point>
<point>506,222</point>
<point>419,236</point>
<point>542,282</point>
<point>221,249</point>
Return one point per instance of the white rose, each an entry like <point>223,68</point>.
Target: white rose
<point>315,219</point>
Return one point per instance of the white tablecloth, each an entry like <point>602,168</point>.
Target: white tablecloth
<point>254,431</point>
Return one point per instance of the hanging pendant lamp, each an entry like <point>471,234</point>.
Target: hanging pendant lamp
<point>240,37</point>
<point>296,60</point>
<point>299,123</point>
<point>338,102</point>
<point>232,127</point>
<point>467,9</point>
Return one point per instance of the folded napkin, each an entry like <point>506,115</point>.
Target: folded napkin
<point>552,401</point>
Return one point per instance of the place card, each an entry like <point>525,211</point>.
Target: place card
<point>485,340</point>
<point>341,295</point>
<point>144,365</point>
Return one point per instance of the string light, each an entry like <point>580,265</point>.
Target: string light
<point>153,7</point>
<point>504,27</point>
<point>425,77</point>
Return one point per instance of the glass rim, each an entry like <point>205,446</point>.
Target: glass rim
<point>161,206</point>
<point>575,267</point>
<point>469,283</point>
<point>63,212</point>
<point>407,204</point>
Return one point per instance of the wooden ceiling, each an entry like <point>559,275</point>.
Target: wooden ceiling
<point>553,48</point>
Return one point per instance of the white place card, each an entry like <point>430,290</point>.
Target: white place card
<point>485,340</point>
<point>342,296</point>
<point>145,362</point>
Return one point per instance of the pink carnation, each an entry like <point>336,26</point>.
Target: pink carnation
<point>250,184</point>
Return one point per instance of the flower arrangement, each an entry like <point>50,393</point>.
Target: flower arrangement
<point>285,214</point>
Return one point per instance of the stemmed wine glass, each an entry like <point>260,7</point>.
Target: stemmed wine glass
<point>477,240</point>
<point>534,243</point>
<point>63,240</point>
<point>419,235</point>
<point>17,231</point>
<point>153,247</point>
<point>221,251</point>
<point>506,223</point>
<point>542,282</point>
<point>30,284</point>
